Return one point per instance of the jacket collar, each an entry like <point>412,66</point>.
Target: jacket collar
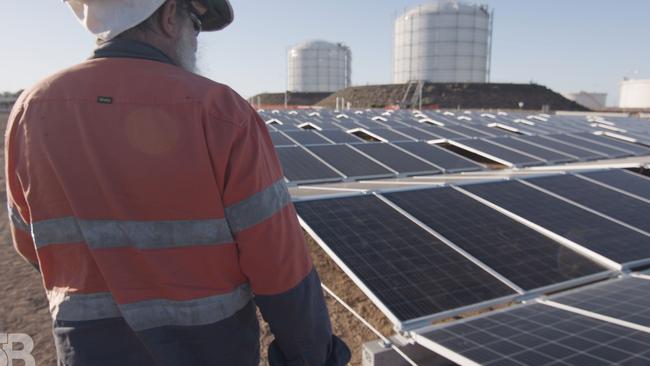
<point>128,48</point>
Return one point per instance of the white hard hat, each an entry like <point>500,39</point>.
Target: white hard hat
<point>108,18</point>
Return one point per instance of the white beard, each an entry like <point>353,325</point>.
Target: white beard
<point>186,50</point>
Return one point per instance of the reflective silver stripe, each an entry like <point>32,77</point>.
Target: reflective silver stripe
<point>17,220</point>
<point>258,207</point>
<point>55,231</point>
<point>136,234</point>
<point>82,307</point>
<point>158,313</point>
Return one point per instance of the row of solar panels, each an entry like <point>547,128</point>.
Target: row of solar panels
<point>426,254</point>
<point>467,124</point>
<point>337,162</point>
<point>313,161</point>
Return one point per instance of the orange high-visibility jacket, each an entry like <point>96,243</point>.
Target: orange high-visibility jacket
<point>148,193</point>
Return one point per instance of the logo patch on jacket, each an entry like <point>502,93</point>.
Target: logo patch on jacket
<point>104,100</point>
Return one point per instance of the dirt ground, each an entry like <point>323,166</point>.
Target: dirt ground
<point>24,308</point>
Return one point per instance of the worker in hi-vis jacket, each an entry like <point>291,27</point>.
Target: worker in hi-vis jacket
<point>152,202</point>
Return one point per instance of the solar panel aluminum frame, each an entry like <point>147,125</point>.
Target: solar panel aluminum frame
<point>398,325</point>
<point>608,263</point>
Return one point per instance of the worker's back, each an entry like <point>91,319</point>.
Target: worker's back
<point>157,207</point>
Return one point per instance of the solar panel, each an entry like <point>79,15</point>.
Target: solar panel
<point>627,299</point>
<point>300,166</point>
<point>466,131</point>
<point>546,154</point>
<point>488,131</point>
<point>614,204</point>
<point>340,136</point>
<point>601,149</point>
<point>412,273</point>
<point>524,256</point>
<point>498,153</point>
<point>279,139</point>
<point>350,162</point>
<point>579,153</point>
<point>389,135</point>
<point>445,159</point>
<point>416,134</point>
<point>594,232</point>
<point>619,144</point>
<point>539,335</point>
<point>306,137</point>
<point>624,180</point>
<point>397,159</point>
<point>444,133</point>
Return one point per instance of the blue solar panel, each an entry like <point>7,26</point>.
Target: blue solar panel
<point>396,159</point>
<point>594,232</point>
<point>619,144</point>
<point>350,162</point>
<point>501,154</point>
<point>443,158</point>
<point>546,154</point>
<point>410,271</point>
<point>579,153</point>
<point>524,256</point>
<point>300,166</point>
<point>614,204</point>
<point>627,299</point>
<point>539,335</point>
<point>307,137</point>
<point>610,152</point>
<point>630,182</point>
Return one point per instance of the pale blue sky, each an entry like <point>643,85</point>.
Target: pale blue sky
<point>567,45</point>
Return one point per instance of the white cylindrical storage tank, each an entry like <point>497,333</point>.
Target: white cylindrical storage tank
<point>319,66</point>
<point>444,41</point>
<point>635,94</point>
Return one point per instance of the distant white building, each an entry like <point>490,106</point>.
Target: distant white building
<point>635,94</point>
<point>591,100</point>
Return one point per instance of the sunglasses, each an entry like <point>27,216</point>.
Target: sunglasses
<point>196,22</point>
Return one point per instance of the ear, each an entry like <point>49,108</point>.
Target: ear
<point>169,21</point>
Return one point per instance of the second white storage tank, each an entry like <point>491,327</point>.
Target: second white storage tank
<point>319,66</point>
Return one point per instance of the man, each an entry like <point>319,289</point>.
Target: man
<point>152,201</point>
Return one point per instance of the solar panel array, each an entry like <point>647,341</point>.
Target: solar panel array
<point>428,254</point>
<point>511,139</point>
